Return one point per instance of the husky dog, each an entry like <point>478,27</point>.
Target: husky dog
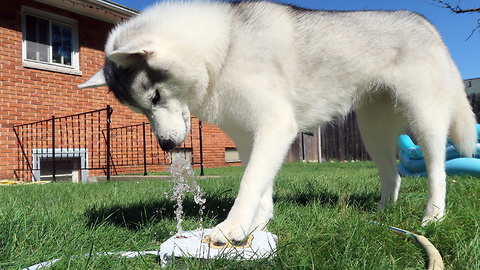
<point>263,71</point>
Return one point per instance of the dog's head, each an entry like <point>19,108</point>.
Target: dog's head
<point>153,81</point>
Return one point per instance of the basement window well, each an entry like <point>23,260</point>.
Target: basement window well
<point>70,164</point>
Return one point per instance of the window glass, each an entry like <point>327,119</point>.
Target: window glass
<point>37,38</point>
<point>61,44</point>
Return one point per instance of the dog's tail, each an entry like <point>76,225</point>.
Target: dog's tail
<point>463,130</point>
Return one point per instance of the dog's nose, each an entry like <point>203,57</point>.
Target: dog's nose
<point>167,145</point>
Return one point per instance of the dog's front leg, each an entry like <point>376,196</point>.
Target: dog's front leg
<point>271,143</point>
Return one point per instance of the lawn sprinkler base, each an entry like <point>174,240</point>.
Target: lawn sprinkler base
<point>193,244</point>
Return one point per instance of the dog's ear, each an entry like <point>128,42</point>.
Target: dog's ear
<point>127,58</point>
<point>96,80</point>
<point>130,53</point>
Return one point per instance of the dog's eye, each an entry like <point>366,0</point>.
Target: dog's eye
<point>156,98</point>
<point>127,70</point>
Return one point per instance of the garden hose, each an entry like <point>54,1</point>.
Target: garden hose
<point>13,182</point>
<point>435,261</point>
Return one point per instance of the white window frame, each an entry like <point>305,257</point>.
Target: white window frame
<point>74,68</point>
<point>61,153</point>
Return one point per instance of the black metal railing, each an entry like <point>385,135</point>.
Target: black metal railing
<point>74,141</point>
<point>71,146</point>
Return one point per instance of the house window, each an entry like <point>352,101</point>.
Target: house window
<point>50,42</point>
<point>231,155</point>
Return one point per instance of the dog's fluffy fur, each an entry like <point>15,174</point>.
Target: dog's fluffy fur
<point>263,72</point>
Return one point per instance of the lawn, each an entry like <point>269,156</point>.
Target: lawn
<point>323,218</point>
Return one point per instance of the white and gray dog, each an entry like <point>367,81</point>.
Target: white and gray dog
<point>263,72</point>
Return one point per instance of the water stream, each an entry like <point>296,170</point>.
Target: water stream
<point>183,177</point>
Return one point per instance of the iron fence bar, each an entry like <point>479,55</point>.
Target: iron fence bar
<point>22,149</point>
<point>192,159</point>
<point>144,149</point>
<point>200,127</point>
<point>54,164</point>
<point>109,114</point>
<point>113,165</point>
<point>61,117</point>
<point>96,139</point>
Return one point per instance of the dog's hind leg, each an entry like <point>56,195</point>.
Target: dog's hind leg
<point>430,125</point>
<point>380,126</point>
<point>428,103</point>
<point>431,134</point>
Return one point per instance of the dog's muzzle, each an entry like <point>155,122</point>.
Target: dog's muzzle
<point>167,145</point>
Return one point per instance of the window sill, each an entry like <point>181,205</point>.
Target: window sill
<point>52,68</point>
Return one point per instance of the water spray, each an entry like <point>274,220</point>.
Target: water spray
<point>184,181</point>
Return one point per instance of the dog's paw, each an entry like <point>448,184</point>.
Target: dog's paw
<point>430,219</point>
<point>435,212</point>
<point>227,232</point>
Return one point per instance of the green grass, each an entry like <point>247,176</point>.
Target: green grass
<point>323,215</point>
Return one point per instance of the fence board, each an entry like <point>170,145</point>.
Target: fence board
<point>341,140</point>
<point>475,102</point>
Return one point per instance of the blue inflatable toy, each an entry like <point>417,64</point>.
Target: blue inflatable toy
<point>413,164</point>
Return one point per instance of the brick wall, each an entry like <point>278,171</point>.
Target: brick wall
<point>28,95</point>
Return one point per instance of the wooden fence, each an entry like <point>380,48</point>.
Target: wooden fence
<point>341,140</point>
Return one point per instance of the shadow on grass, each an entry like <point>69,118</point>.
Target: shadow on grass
<point>307,197</point>
<point>134,216</point>
<point>362,201</point>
